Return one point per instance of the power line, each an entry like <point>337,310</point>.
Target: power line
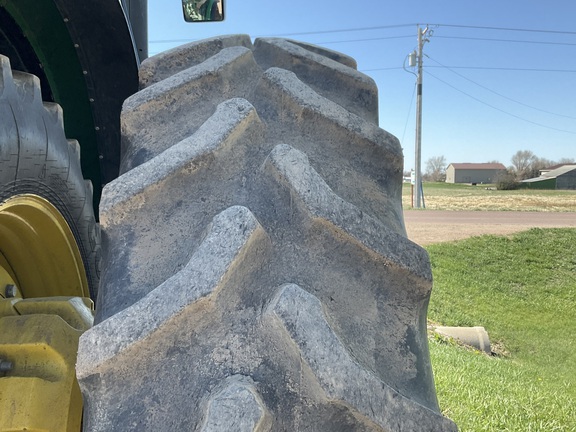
<point>499,94</point>
<point>308,33</point>
<point>171,41</point>
<point>344,30</point>
<point>507,69</point>
<point>505,40</point>
<point>364,40</point>
<point>499,109</point>
<point>355,29</point>
<point>564,32</point>
<point>317,43</point>
<point>478,68</point>
<point>381,69</point>
<point>409,111</point>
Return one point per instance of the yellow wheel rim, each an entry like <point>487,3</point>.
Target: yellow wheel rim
<point>38,252</point>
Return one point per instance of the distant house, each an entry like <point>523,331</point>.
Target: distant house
<point>473,172</point>
<point>557,177</point>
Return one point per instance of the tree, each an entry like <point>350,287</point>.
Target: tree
<point>526,164</point>
<point>522,162</point>
<point>537,165</point>
<point>436,168</point>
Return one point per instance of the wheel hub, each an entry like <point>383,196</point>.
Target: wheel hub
<point>38,252</point>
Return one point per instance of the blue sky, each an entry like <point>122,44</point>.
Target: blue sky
<point>482,99</point>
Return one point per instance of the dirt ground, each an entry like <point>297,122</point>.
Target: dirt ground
<point>435,226</point>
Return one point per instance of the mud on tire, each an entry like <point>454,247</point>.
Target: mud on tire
<point>257,274</point>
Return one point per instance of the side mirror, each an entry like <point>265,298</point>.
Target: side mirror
<point>203,10</point>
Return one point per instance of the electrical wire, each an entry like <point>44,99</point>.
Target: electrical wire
<point>508,69</point>
<point>513,29</point>
<point>500,94</point>
<point>505,40</point>
<point>317,43</point>
<point>365,40</point>
<point>478,68</point>
<point>409,112</point>
<point>344,30</point>
<point>171,41</point>
<point>498,109</point>
<point>381,69</point>
<point>308,33</point>
<point>355,29</point>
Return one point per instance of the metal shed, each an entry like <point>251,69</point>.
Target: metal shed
<point>563,178</point>
<point>473,172</point>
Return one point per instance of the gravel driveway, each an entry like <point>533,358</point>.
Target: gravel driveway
<point>435,226</point>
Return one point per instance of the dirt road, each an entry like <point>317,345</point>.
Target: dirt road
<point>434,226</point>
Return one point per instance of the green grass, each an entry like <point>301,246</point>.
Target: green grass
<point>481,393</point>
<point>523,291</point>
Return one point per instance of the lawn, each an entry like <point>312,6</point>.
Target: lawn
<point>522,289</point>
<point>448,196</point>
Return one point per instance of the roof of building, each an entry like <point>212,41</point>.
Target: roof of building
<point>553,167</point>
<point>537,179</point>
<point>552,174</point>
<point>478,166</point>
<point>563,169</point>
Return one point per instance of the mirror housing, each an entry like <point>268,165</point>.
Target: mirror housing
<point>203,10</point>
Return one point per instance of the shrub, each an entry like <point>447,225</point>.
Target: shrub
<point>507,181</point>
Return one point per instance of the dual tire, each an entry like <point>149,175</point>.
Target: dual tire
<point>256,273</point>
<point>49,239</point>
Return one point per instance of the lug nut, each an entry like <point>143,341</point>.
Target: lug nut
<point>5,366</point>
<point>10,291</point>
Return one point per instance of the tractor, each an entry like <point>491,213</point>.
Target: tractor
<point>209,239</point>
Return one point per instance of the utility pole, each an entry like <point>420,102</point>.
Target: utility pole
<point>417,199</point>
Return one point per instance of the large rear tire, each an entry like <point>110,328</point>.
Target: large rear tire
<point>257,274</point>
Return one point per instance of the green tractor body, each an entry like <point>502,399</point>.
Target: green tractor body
<point>87,60</point>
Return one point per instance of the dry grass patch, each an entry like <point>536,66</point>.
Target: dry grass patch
<point>502,202</point>
<point>441,196</point>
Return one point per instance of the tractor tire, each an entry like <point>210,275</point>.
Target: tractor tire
<point>37,159</point>
<point>256,271</point>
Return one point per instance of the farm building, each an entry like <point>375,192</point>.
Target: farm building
<point>550,168</point>
<point>563,177</point>
<point>473,172</point>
